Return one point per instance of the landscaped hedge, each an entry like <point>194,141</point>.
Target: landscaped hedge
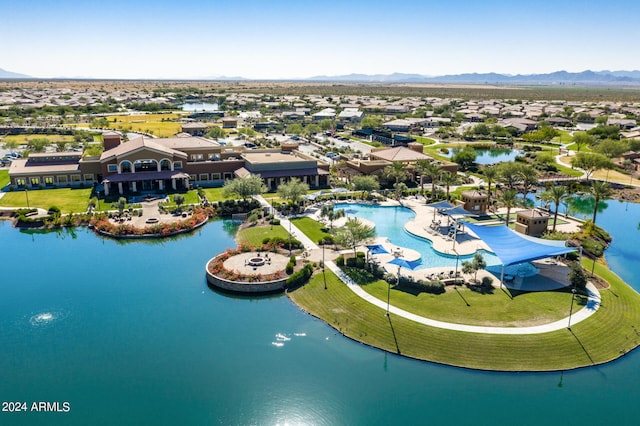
<point>200,214</point>
<point>272,242</point>
<point>300,277</point>
<point>228,208</point>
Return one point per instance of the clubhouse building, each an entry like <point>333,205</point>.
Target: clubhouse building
<point>164,164</point>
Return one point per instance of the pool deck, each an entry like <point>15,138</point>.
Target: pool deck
<point>466,244</point>
<point>552,275</point>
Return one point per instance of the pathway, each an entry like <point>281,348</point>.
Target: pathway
<point>593,301</point>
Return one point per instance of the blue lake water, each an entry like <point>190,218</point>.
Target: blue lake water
<point>130,333</point>
<point>489,156</point>
<point>199,107</point>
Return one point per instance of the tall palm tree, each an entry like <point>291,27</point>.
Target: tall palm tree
<point>421,168</point>
<point>509,199</point>
<point>529,177</point>
<point>448,179</point>
<point>599,190</point>
<point>557,194</point>
<point>509,174</point>
<point>433,171</point>
<point>490,175</point>
<point>396,171</point>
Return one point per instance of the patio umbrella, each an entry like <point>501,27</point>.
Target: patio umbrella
<point>404,263</point>
<point>377,249</point>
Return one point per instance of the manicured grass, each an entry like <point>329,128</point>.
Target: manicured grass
<point>257,234</point>
<point>310,228</point>
<point>606,335</point>
<point>563,137</point>
<point>25,138</point>
<point>190,197</point>
<point>215,194</point>
<point>68,200</point>
<point>494,308</point>
<point>147,123</point>
<point>4,178</point>
<point>423,140</point>
<point>574,147</point>
<point>567,170</point>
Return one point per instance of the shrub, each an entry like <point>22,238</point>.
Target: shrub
<point>300,277</point>
<point>340,261</point>
<point>289,268</point>
<point>593,247</point>
<point>292,260</point>
<point>487,281</point>
<point>54,210</point>
<point>253,217</point>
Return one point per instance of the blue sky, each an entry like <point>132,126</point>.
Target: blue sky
<point>297,39</point>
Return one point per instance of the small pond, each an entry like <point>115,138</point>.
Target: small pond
<point>489,156</point>
<point>199,106</point>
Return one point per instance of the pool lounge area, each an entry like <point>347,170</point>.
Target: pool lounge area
<point>409,231</point>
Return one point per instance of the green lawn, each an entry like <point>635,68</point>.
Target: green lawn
<point>215,194</point>
<point>604,336</point>
<point>583,148</point>
<point>568,170</point>
<point>423,140</point>
<point>255,235</point>
<point>4,178</point>
<point>68,200</point>
<point>310,228</point>
<point>25,138</point>
<point>563,137</point>
<point>466,306</point>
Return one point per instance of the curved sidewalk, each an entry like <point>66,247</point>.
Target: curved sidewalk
<point>593,302</point>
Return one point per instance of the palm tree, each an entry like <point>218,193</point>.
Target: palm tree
<point>433,171</point>
<point>599,190</point>
<point>529,178</point>
<point>331,214</point>
<point>490,175</point>
<point>448,179</point>
<point>421,168</point>
<point>557,194</point>
<point>509,174</point>
<point>508,199</point>
<point>397,171</point>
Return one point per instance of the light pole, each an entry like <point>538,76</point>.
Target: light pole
<point>396,254</point>
<point>289,236</point>
<point>324,277</point>
<point>573,295</point>
<point>455,278</point>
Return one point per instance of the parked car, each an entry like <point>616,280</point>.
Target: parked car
<point>332,154</point>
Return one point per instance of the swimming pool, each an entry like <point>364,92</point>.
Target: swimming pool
<point>390,221</point>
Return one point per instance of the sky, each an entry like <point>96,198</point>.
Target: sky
<point>281,39</point>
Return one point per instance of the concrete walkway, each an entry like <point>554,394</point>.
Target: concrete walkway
<point>593,301</point>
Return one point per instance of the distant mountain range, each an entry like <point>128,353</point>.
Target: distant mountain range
<point>618,78</point>
<point>9,74</point>
<point>558,77</point>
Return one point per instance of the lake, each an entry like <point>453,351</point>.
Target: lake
<point>199,107</point>
<point>489,156</point>
<point>130,333</point>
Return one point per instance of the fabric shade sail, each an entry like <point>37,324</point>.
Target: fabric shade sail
<point>512,248</point>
